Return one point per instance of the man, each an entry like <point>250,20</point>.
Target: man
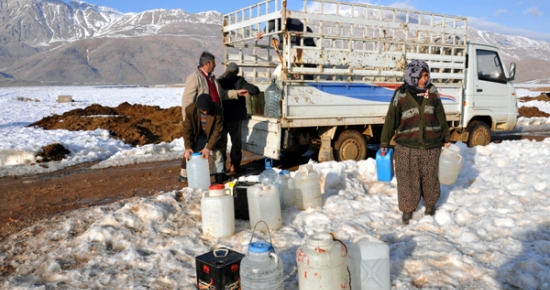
<point>292,24</point>
<point>202,81</point>
<point>235,112</point>
<point>203,131</point>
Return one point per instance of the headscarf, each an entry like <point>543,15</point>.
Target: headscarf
<point>412,74</point>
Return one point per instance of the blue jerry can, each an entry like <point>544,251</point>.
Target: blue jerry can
<point>384,165</point>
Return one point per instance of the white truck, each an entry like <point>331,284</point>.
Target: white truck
<point>336,93</point>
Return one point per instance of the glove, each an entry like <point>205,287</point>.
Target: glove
<point>383,151</point>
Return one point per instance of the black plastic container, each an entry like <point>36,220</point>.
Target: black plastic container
<point>240,199</point>
<point>219,269</point>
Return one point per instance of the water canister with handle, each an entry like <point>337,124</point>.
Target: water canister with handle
<point>322,264</point>
<point>261,268</point>
<point>369,264</point>
<point>308,187</point>
<point>264,205</point>
<point>271,176</point>
<point>288,188</point>
<point>218,212</point>
<point>450,163</point>
<point>198,172</point>
<point>384,165</point>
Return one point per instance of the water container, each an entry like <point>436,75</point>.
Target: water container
<point>198,172</point>
<point>264,205</point>
<point>308,187</point>
<point>288,188</point>
<point>369,264</point>
<point>272,95</point>
<point>450,163</point>
<point>384,165</point>
<point>218,212</point>
<point>261,268</point>
<point>271,176</point>
<point>322,264</point>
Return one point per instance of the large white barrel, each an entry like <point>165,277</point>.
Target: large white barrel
<point>369,264</point>
<point>218,212</point>
<point>322,264</point>
<point>198,172</point>
<point>450,163</point>
<point>308,187</point>
<point>264,205</point>
<point>261,268</point>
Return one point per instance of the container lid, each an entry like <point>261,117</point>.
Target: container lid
<point>216,187</point>
<point>268,163</point>
<point>320,240</point>
<point>260,247</point>
<point>284,171</point>
<point>196,154</point>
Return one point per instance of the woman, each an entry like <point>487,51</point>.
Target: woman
<point>417,118</point>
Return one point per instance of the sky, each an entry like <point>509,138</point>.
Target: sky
<point>527,18</point>
<point>491,229</point>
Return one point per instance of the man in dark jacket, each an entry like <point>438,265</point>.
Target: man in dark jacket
<point>235,111</point>
<point>203,131</point>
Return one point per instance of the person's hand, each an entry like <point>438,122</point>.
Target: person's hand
<point>187,153</point>
<point>260,35</point>
<point>205,153</point>
<point>243,93</point>
<point>275,42</point>
<point>447,144</point>
<point>383,151</point>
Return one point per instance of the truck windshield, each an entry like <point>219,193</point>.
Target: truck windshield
<point>489,67</point>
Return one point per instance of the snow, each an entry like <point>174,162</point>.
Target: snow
<point>491,229</point>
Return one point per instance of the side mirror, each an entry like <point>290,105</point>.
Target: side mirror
<point>512,71</point>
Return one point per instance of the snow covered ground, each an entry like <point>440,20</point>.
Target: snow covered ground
<point>491,229</point>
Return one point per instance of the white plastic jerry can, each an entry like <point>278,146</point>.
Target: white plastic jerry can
<point>450,164</point>
<point>307,187</point>
<point>369,264</point>
<point>322,264</point>
<point>264,205</point>
<point>218,212</point>
<point>198,172</point>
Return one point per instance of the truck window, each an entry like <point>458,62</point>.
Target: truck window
<point>489,67</point>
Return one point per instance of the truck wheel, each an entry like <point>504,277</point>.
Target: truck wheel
<point>351,145</point>
<point>479,134</point>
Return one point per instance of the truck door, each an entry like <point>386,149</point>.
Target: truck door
<point>491,90</point>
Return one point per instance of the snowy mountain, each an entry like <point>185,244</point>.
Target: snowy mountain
<point>50,41</point>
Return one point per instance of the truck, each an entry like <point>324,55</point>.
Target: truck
<point>335,93</point>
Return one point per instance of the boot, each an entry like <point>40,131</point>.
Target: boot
<point>220,178</point>
<point>430,211</point>
<point>407,216</point>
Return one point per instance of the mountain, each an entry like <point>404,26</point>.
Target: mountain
<point>50,41</point>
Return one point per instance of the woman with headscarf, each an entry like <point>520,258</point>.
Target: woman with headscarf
<point>417,119</point>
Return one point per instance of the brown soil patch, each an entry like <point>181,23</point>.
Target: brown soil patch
<point>541,97</point>
<point>529,112</point>
<point>133,124</point>
<point>53,152</point>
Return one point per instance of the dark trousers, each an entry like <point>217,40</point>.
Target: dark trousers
<point>235,133</point>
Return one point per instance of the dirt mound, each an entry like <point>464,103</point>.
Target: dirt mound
<point>53,152</point>
<point>542,97</point>
<point>529,112</point>
<point>133,124</point>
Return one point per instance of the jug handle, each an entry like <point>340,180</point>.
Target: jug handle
<point>369,237</point>
<point>203,193</point>
<point>274,256</point>
<point>228,191</point>
<point>254,230</point>
<point>225,251</point>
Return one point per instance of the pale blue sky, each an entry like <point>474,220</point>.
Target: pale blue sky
<point>530,18</point>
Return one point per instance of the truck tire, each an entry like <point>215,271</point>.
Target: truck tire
<point>351,145</point>
<point>479,134</point>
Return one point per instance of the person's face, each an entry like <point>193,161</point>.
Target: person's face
<point>423,80</point>
<point>209,66</point>
<point>204,112</point>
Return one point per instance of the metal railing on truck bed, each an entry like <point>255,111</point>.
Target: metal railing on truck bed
<point>353,42</point>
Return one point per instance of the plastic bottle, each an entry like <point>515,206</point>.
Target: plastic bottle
<point>322,264</point>
<point>384,165</point>
<point>288,188</point>
<point>264,205</point>
<point>261,268</point>
<point>272,95</point>
<point>198,172</point>
<point>218,212</point>
<point>308,187</point>
<point>450,163</point>
<point>271,176</point>
<point>369,263</point>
